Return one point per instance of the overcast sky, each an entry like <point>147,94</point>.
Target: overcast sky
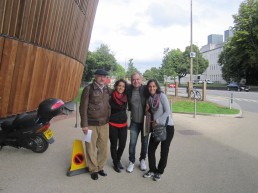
<point>141,29</point>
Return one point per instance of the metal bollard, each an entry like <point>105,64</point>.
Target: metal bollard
<point>77,115</point>
<point>231,101</point>
<point>194,107</point>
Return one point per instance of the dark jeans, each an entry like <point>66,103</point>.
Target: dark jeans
<point>163,154</point>
<point>117,137</point>
<point>135,129</point>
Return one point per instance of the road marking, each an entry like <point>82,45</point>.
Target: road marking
<point>220,98</point>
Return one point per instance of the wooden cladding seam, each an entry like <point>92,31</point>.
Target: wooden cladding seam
<point>30,74</point>
<point>59,25</point>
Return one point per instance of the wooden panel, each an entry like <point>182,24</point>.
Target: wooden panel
<point>53,24</point>
<point>7,68</point>
<point>56,31</point>
<point>13,22</point>
<point>19,18</point>
<point>57,24</point>
<point>7,16</point>
<point>32,74</point>
<point>1,71</point>
<point>36,21</point>
<point>40,22</point>
<point>27,59</point>
<point>67,27</point>
<point>38,78</point>
<point>44,28</point>
<point>2,13</point>
<point>51,21</point>
<point>18,76</point>
<point>25,19</point>
<point>69,36</point>
<point>31,19</point>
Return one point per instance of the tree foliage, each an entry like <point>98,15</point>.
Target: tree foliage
<point>130,69</point>
<point>200,64</point>
<point>239,58</point>
<point>102,58</point>
<point>176,63</point>
<point>119,72</point>
<point>153,73</point>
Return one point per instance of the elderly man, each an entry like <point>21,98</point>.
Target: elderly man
<point>95,112</point>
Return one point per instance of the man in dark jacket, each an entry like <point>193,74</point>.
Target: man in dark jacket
<point>136,104</point>
<point>95,112</point>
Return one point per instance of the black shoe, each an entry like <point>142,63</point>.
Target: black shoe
<point>102,173</point>
<point>120,165</point>
<point>116,168</point>
<point>94,175</point>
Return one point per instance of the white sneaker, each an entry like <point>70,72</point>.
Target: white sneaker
<point>143,165</point>
<point>130,167</point>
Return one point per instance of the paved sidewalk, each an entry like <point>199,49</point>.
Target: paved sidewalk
<point>208,154</point>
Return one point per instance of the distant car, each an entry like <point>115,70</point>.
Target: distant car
<point>195,81</point>
<point>237,87</point>
<point>208,81</point>
<point>200,81</point>
<point>171,85</point>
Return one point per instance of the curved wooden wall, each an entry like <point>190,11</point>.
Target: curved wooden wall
<point>43,45</point>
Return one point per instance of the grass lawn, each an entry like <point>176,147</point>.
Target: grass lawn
<point>185,105</point>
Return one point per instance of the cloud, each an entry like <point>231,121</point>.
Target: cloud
<point>142,29</point>
<point>167,15</point>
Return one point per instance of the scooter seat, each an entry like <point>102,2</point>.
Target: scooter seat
<point>6,125</point>
<point>24,121</point>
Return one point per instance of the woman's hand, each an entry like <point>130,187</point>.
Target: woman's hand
<point>154,124</point>
<point>147,107</point>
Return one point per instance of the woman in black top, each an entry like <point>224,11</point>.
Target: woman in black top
<point>118,123</point>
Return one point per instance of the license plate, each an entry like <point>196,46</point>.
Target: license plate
<point>48,134</point>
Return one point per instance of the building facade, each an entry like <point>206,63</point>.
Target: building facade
<point>43,47</point>
<point>211,52</point>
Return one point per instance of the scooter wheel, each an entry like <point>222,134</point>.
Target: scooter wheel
<point>40,145</point>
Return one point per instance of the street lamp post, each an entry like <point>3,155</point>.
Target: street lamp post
<point>191,45</point>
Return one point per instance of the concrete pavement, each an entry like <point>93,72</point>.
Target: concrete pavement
<point>209,154</point>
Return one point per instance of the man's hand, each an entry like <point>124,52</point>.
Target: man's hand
<point>85,130</point>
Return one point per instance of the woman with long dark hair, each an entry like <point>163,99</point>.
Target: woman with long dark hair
<point>118,123</point>
<point>159,109</point>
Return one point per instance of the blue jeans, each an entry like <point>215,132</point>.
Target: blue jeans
<point>135,129</point>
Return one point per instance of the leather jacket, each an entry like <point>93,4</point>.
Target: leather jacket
<point>94,106</point>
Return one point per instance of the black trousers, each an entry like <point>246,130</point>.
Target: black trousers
<point>117,137</point>
<point>164,151</point>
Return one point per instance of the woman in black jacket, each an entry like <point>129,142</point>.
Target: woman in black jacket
<point>118,123</point>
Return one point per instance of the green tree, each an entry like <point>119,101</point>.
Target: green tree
<point>119,72</point>
<point>153,73</point>
<point>130,69</point>
<point>177,63</point>
<point>173,64</point>
<point>200,64</point>
<point>102,58</point>
<point>239,58</point>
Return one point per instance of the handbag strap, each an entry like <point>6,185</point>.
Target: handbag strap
<point>166,121</point>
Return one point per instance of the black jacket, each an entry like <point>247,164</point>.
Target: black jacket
<point>118,112</point>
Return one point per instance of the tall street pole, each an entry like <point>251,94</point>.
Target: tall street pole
<point>191,47</point>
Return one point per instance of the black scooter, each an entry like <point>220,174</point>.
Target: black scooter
<point>31,131</point>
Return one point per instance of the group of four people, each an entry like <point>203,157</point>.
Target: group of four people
<point>104,112</point>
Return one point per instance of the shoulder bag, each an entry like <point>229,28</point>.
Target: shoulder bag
<point>160,132</point>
